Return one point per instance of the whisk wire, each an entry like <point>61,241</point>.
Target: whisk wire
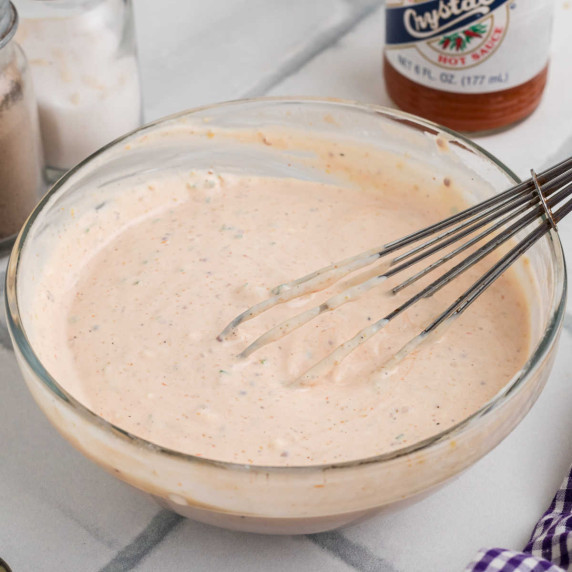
<point>354,292</point>
<point>499,219</point>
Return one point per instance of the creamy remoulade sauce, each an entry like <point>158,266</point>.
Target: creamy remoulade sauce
<point>183,254</point>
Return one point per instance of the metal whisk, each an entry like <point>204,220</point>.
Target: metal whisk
<point>531,203</point>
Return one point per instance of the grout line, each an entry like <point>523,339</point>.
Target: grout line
<point>5,341</point>
<point>352,553</point>
<point>323,42</point>
<point>567,324</point>
<point>152,535</point>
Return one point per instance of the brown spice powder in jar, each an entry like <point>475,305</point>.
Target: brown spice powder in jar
<point>21,165</point>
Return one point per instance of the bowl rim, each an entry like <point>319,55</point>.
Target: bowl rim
<point>537,354</point>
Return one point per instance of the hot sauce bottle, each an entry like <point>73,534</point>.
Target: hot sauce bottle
<point>471,65</point>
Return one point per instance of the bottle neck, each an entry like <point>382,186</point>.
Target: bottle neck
<point>8,21</point>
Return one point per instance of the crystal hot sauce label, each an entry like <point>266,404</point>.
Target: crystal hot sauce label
<point>468,46</point>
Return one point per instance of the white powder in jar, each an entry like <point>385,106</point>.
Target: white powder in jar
<point>86,80</point>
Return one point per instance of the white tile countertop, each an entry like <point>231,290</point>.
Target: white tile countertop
<point>58,512</point>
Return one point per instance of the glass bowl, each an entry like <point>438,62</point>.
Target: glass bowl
<point>272,499</point>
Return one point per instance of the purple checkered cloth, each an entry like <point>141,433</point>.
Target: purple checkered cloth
<point>549,548</point>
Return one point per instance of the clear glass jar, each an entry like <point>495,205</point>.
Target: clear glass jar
<point>84,64</point>
<point>21,181</point>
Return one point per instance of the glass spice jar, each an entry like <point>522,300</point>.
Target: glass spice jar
<point>471,65</point>
<point>21,166</point>
<point>84,63</point>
